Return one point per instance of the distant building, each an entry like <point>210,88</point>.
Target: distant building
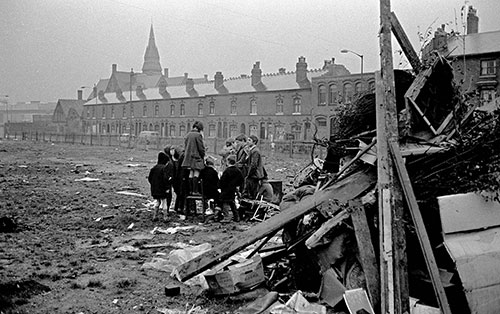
<point>474,56</point>
<point>67,116</point>
<point>275,106</point>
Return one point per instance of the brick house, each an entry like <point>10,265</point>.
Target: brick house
<point>276,106</point>
<point>474,56</point>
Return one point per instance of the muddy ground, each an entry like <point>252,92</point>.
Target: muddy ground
<point>61,254</point>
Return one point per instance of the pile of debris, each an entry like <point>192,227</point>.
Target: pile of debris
<point>328,225</point>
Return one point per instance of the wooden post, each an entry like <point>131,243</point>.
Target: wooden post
<point>405,44</point>
<point>393,264</point>
<point>418,221</point>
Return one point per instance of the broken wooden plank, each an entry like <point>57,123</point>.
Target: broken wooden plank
<point>366,253</point>
<point>315,239</point>
<point>429,124</point>
<point>405,43</point>
<point>343,191</point>
<point>352,161</point>
<point>418,221</point>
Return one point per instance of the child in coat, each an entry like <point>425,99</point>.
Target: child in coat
<point>230,181</point>
<point>160,179</point>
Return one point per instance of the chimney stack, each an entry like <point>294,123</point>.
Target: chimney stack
<point>472,21</point>
<point>301,70</point>
<point>189,84</point>
<point>165,72</point>
<point>256,74</point>
<point>79,94</point>
<point>113,68</point>
<point>218,80</point>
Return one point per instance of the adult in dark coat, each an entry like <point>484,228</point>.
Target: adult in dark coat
<point>256,170</point>
<point>194,154</point>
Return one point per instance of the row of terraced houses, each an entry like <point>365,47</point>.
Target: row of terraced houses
<point>274,106</point>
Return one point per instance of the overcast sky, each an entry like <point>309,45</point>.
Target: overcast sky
<point>49,48</point>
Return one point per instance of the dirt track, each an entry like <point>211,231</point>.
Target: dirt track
<point>63,256</point>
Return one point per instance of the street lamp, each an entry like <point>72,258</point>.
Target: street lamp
<point>6,102</point>
<point>361,57</point>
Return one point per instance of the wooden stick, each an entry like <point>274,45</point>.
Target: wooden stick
<point>418,221</point>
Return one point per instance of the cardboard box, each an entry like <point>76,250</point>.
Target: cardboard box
<point>237,277</point>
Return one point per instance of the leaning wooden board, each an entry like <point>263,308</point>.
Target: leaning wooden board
<point>344,190</point>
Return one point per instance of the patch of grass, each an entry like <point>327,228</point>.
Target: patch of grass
<point>75,285</point>
<point>95,283</point>
<point>126,283</point>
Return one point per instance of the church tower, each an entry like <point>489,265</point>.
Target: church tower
<point>151,64</point>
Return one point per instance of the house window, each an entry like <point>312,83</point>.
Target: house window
<point>211,109</point>
<point>200,109</point>
<point>279,132</point>
<point>321,122</point>
<point>296,130</point>
<point>157,110</point>
<point>322,95</point>
<point>182,130</point>
<point>172,130</point>
<point>131,110</point>
<point>253,130</point>
<point>233,129</point>
<point>371,86</point>
<point>253,106</point>
<point>172,110</point>
<point>211,130</point>
<point>144,110</point>
<point>233,106</point>
<point>183,110</point>
<point>359,87</point>
<point>334,93</point>
<point>124,113</point>
<point>487,95</point>
<point>488,67</point>
<point>93,112</point>
<point>279,106</point>
<point>348,93</point>
<point>104,112</point>
<point>297,104</point>
<point>88,112</point>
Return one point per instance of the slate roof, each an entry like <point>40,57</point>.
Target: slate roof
<point>478,43</point>
<point>272,82</point>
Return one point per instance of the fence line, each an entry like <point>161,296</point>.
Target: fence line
<point>281,149</point>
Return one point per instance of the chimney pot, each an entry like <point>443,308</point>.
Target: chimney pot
<point>185,75</point>
<point>165,72</point>
<point>79,94</point>
<point>113,68</point>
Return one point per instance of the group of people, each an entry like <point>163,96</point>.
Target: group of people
<point>189,171</point>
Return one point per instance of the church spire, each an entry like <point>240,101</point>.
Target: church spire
<point>151,64</point>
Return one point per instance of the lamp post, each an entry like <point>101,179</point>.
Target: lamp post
<point>6,102</point>
<point>361,57</point>
<point>130,114</point>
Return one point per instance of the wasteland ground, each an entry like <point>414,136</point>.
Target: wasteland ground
<point>63,257</point>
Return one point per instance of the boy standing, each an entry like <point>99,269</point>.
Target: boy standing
<point>160,179</point>
<point>229,182</point>
<point>256,170</point>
